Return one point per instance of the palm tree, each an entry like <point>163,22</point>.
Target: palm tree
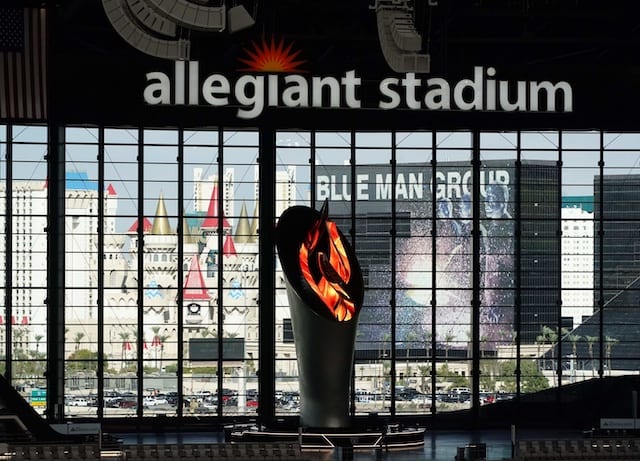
<point>425,370</point>
<point>609,343</point>
<point>77,339</point>
<point>549,334</point>
<point>426,339</point>
<point>385,338</point>
<point>539,342</point>
<point>483,340</point>
<point>574,343</point>
<point>19,334</point>
<point>38,338</point>
<point>447,339</point>
<point>409,338</point>
<point>145,346</point>
<point>573,339</point>
<point>590,342</point>
<point>158,341</point>
<point>163,339</point>
<point>124,336</point>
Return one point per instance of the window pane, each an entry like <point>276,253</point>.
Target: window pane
<point>293,187</point>
<point>28,316</point>
<point>81,264</point>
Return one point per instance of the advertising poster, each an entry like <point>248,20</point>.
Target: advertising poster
<point>417,259</point>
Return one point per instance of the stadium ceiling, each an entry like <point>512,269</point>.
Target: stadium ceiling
<point>591,44</point>
<point>453,32</point>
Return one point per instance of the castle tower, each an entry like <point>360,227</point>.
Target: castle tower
<point>211,223</point>
<point>243,228</point>
<point>160,269</point>
<point>195,296</point>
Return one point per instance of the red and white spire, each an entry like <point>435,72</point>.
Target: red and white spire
<point>211,220</point>
<point>194,287</point>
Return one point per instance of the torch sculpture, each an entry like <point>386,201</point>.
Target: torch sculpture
<point>325,290</point>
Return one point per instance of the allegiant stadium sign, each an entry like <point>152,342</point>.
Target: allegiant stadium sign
<point>252,93</point>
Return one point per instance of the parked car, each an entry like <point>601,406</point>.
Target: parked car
<point>79,402</point>
<point>128,402</point>
<point>154,401</point>
<point>460,390</point>
<point>172,397</point>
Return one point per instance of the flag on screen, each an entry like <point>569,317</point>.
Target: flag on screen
<point>23,79</point>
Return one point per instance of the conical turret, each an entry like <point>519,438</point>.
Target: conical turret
<point>190,236</point>
<point>253,235</point>
<point>243,229</point>
<point>211,221</point>
<point>161,224</point>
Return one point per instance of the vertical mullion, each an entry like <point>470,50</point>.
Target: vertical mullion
<point>266,276</point>
<point>8,237</point>
<point>601,262</point>
<point>434,275</point>
<point>55,274</point>
<point>219,284</point>
<point>140,272</point>
<point>352,233</point>
<point>518,262</point>
<point>558,265</point>
<point>392,300</point>
<point>475,299</point>
<point>180,277</point>
<point>100,284</point>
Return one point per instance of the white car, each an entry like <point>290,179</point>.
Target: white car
<point>153,401</point>
<point>79,402</point>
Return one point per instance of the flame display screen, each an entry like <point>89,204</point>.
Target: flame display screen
<point>325,266</point>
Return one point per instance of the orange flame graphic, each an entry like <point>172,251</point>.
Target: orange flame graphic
<point>272,57</point>
<point>323,253</point>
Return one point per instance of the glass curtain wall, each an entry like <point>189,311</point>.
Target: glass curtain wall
<point>451,222</point>
<point>539,267</point>
<point>367,201</point>
<point>238,264</point>
<point>125,344</point>
<point>294,167</point>
<point>581,157</point>
<point>414,276</point>
<point>500,257</point>
<point>165,274</point>
<point>512,251</point>
<point>81,271</point>
<point>200,263</point>
<point>617,255</point>
<point>158,248</point>
<point>23,318</point>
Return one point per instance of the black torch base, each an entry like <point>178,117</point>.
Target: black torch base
<point>324,344</point>
<point>391,437</point>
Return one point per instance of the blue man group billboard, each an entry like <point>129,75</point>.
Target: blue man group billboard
<point>426,270</point>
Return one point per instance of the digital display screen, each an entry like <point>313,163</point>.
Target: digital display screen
<point>423,270</point>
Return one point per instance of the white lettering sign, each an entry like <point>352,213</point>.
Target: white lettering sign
<point>254,92</point>
<point>453,184</point>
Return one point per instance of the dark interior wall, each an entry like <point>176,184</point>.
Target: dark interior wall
<point>96,77</point>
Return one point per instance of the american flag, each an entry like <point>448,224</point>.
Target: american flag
<point>23,78</point>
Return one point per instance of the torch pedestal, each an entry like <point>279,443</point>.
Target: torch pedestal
<point>321,271</point>
<point>325,290</point>
<point>325,350</point>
